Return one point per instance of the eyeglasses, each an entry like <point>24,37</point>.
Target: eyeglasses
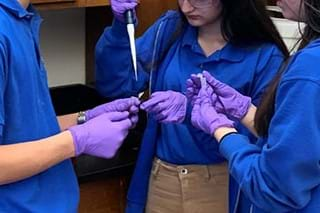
<point>198,3</point>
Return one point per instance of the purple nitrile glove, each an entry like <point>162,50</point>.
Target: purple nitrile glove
<point>167,106</point>
<point>119,7</point>
<point>101,136</point>
<point>234,103</point>
<point>193,88</point>
<point>204,116</point>
<point>120,105</point>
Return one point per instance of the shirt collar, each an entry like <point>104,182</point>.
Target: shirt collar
<point>16,8</point>
<point>229,52</point>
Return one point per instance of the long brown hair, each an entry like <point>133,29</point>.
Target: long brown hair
<point>244,23</point>
<point>311,32</point>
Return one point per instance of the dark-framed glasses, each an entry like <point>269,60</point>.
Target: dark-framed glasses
<point>198,3</point>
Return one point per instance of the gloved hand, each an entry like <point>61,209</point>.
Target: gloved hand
<point>204,116</point>
<point>120,105</point>
<point>193,88</point>
<point>167,106</point>
<point>101,136</point>
<point>119,7</point>
<point>234,103</point>
<point>192,91</point>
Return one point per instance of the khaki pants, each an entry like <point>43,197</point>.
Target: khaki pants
<point>188,188</point>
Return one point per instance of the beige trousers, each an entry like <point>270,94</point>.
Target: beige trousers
<point>188,188</point>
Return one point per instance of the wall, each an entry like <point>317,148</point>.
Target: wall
<point>62,43</point>
<point>289,30</point>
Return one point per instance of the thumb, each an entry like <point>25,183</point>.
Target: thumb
<point>217,85</point>
<point>125,124</point>
<point>117,116</point>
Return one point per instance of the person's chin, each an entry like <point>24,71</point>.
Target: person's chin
<point>195,23</point>
<point>289,16</point>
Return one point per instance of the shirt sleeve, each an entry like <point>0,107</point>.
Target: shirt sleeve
<point>283,173</point>
<point>269,62</point>
<point>3,71</point>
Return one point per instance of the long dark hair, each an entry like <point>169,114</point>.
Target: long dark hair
<point>244,23</point>
<point>311,32</point>
<point>247,22</point>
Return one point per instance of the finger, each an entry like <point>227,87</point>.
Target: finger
<point>219,106</point>
<point>120,104</point>
<point>135,101</point>
<point>117,116</point>
<point>153,101</point>
<point>161,116</point>
<point>189,83</point>
<point>134,109</point>
<point>202,93</point>
<point>196,80</point>
<point>190,93</point>
<point>160,107</point>
<point>195,112</point>
<point>160,95</point>
<point>212,81</point>
<point>190,90</point>
<point>134,119</point>
<point>129,5</point>
<point>197,103</point>
<point>125,124</point>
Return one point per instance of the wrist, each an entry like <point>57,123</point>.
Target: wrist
<point>70,145</point>
<point>221,132</point>
<point>79,136</point>
<point>249,115</point>
<point>248,119</point>
<point>65,145</point>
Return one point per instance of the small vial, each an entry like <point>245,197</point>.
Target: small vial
<point>202,80</point>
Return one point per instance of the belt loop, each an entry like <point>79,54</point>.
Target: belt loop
<point>156,166</point>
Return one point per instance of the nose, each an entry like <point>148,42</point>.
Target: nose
<point>185,6</point>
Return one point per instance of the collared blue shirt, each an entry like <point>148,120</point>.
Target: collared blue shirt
<point>27,114</point>
<point>281,172</point>
<point>247,69</point>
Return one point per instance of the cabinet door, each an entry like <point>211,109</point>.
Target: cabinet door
<point>95,3</point>
<point>50,1</point>
<point>149,10</point>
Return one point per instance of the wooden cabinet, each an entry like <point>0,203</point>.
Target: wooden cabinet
<point>62,4</point>
<point>149,10</point>
<point>104,195</point>
<point>50,1</point>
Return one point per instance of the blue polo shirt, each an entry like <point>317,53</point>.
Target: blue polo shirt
<point>27,114</point>
<point>248,69</point>
<point>281,173</point>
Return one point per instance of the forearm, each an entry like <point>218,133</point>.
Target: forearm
<point>23,160</point>
<point>248,120</point>
<point>66,121</point>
